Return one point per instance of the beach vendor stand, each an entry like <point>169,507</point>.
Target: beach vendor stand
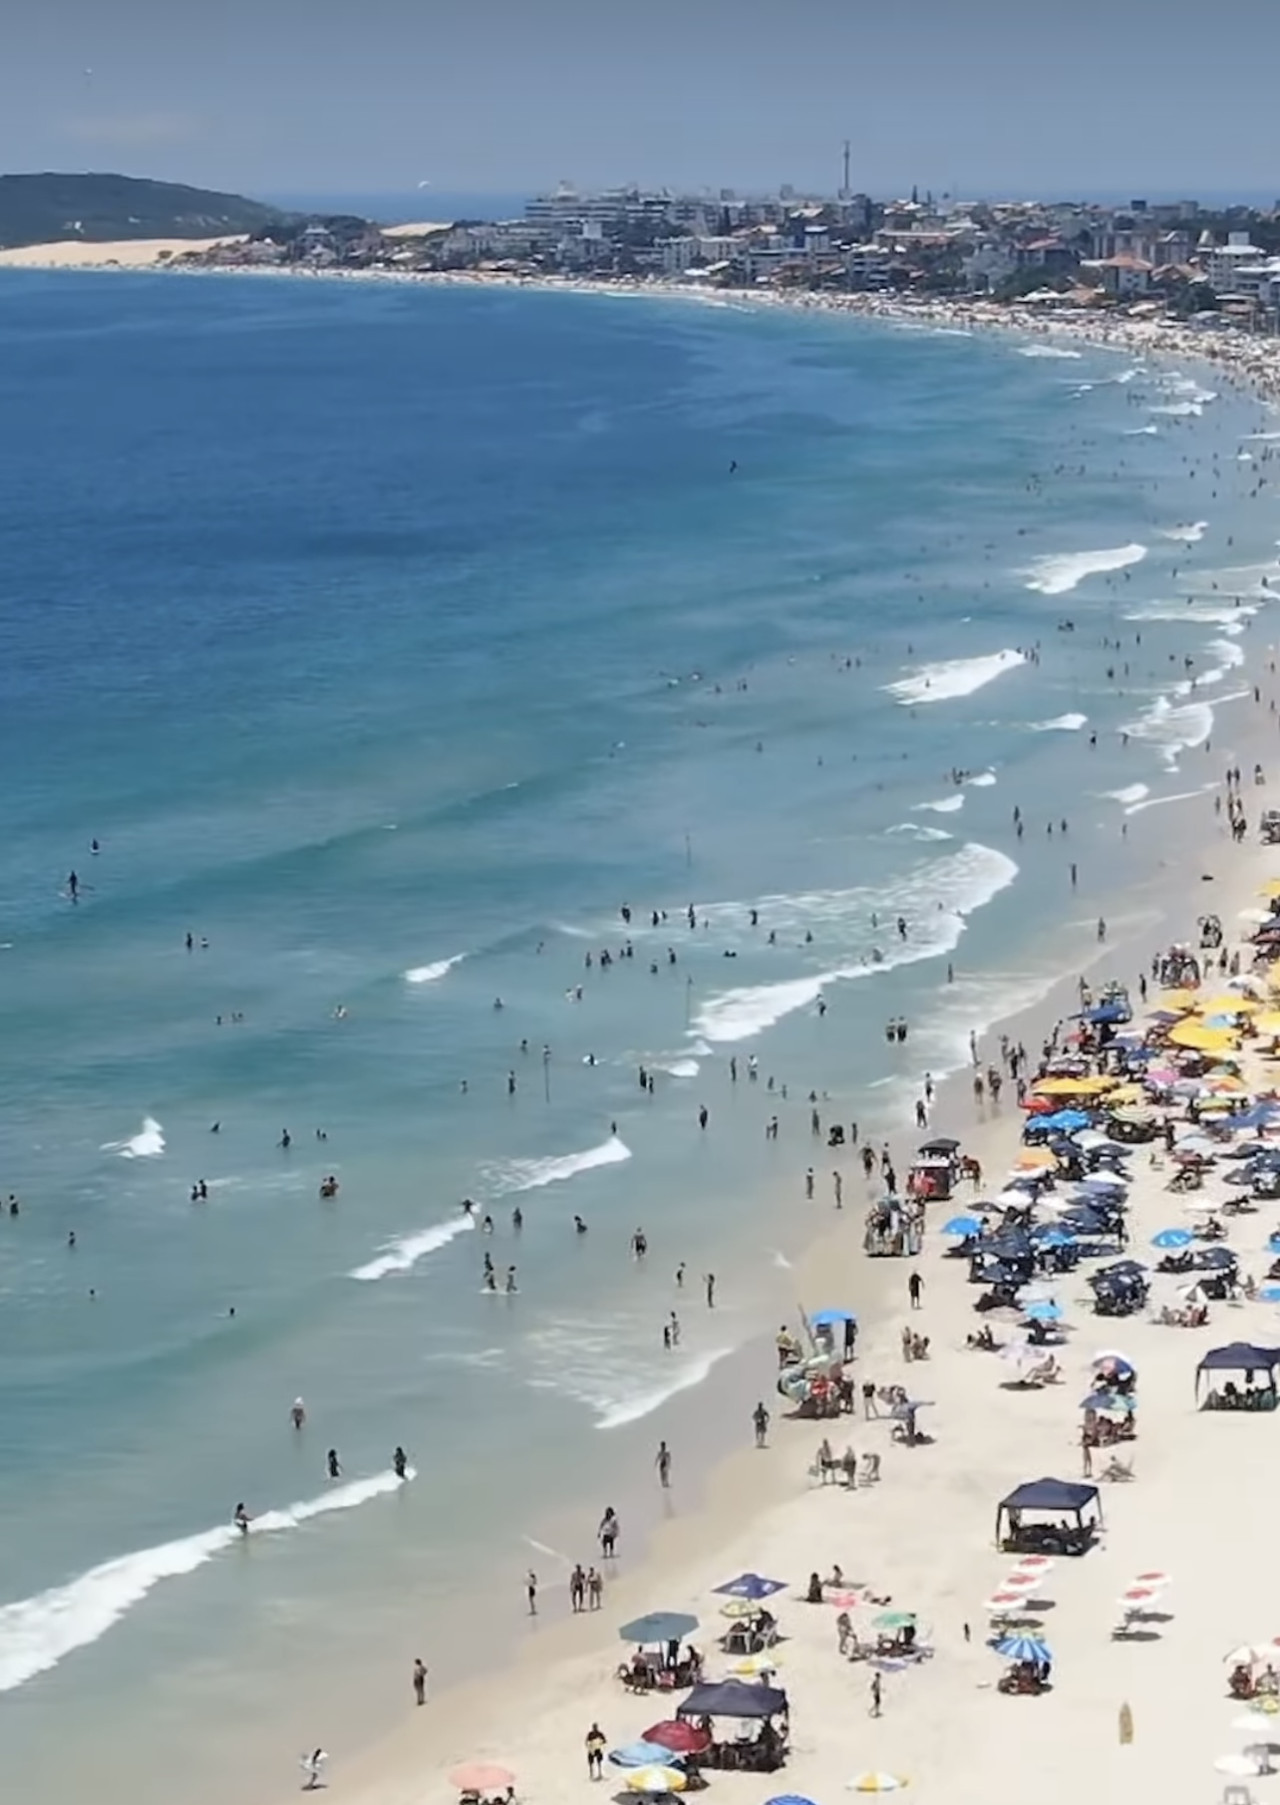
<point>1077,1508</point>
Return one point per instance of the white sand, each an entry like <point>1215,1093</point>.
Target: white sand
<point>130,253</point>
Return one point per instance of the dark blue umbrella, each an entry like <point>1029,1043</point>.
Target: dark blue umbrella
<point>751,1585</point>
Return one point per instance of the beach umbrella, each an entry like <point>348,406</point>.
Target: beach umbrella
<point>753,1667</point>
<point>481,1776</point>
<point>1019,1582</point>
<point>1269,1294</point>
<point>656,1780</point>
<point>876,1782</point>
<point>788,1798</point>
<point>893,1620</point>
<point>677,1737</point>
<point>751,1585</point>
<point>1043,1311</point>
<point>1024,1648</point>
<point>1173,1237</point>
<point>1238,1764</point>
<point>1251,1722</point>
<point>1152,1578</point>
<point>1109,1404</point>
<point>659,1626</point>
<point>1035,1563</point>
<point>962,1225</point>
<point>831,1319</point>
<point>738,1607</point>
<point>1136,1596</point>
<point>643,1754</point>
<point>1002,1603</point>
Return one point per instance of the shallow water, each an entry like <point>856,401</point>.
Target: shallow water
<point>392,640</point>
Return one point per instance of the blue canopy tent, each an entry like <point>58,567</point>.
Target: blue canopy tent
<point>1241,1357</point>
<point>733,1698</point>
<point>1049,1497</point>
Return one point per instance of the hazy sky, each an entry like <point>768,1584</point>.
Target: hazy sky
<point>364,96</point>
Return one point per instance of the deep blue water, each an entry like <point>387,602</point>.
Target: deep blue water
<point>370,627</point>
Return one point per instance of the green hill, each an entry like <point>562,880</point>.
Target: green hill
<point>44,209</point>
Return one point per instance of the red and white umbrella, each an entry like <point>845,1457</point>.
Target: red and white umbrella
<point>1034,1563</point>
<point>1153,1578</point>
<point>1001,1603</point>
<point>1020,1582</point>
<point>1136,1596</point>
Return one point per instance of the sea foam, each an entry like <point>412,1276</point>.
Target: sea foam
<point>954,677</point>
<point>1063,723</point>
<point>935,898</point>
<point>1055,351</point>
<point>38,1632</point>
<point>1058,575</point>
<point>1172,728</point>
<point>1190,533</point>
<point>429,974</point>
<point>533,1174</point>
<point>148,1143</point>
<point>947,805</point>
<point>402,1255</point>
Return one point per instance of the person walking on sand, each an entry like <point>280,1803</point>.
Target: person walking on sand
<point>596,1744</point>
<point>419,1681</point>
<point>838,1183</point>
<point>608,1532</point>
<point>875,1695</point>
<point>710,1282</point>
<point>760,1419</point>
<point>663,1463</point>
<point>531,1591</point>
<point>595,1589</point>
<point>915,1288</point>
<point>577,1589</point>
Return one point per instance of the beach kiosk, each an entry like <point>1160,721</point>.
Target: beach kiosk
<point>1256,1365</point>
<point>1076,1511</point>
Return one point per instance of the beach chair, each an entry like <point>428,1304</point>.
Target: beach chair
<point>1237,1795</point>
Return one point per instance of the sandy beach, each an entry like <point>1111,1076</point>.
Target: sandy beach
<point>125,253</point>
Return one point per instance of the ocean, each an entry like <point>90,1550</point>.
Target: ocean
<point>390,642</point>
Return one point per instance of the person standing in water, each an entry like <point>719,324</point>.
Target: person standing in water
<point>710,1282</point>
<point>298,1413</point>
<point>419,1681</point>
<point>400,1463</point>
<point>333,1464</point>
<point>663,1464</point>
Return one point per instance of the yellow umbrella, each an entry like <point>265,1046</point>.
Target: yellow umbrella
<point>1204,1040</point>
<point>1271,887</point>
<point>739,1607</point>
<point>752,1666</point>
<point>1232,1003</point>
<point>656,1780</point>
<point>1059,1087</point>
<point>877,1782</point>
<point>1034,1157</point>
<point>1177,999</point>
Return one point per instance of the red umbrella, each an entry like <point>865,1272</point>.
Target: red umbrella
<point>679,1738</point>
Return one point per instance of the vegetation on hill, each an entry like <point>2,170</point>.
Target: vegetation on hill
<point>48,208</point>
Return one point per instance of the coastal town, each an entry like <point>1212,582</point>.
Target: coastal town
<point>1178,259</point>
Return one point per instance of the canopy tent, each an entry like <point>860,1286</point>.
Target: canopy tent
<point>733,1698</point>
<point>1240,1357</point>
<point>1056,1497</point>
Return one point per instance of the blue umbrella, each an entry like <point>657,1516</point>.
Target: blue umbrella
<point>1173,1237</point>
<point>1109,1400</point>
<point>1270,1294</point>
<point>1065,1119</point>
<point>659,1626</point>
<point>1273,1241</point>
<point>830,1319</point>
<point>751,1585</point>
<point>788,1798</point>
<point>1024,1648</point>
<point>644,1754</point>
<point>1051,1237</point>
<point>962,1225</point>
<point>1043,1310</point>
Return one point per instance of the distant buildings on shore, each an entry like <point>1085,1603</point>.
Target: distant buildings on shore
<point>1168,257</point>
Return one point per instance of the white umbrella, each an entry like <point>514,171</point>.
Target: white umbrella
<point>1238,1764</point>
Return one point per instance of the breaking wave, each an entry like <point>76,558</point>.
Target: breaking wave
<point>954,677</point>
<point>1058,575</point>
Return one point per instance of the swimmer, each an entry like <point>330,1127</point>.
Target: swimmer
<point>579,1225</point>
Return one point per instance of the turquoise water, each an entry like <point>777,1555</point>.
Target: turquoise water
<point>392,641</point>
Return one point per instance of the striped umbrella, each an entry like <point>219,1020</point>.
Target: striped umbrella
<point>1024,1648</point>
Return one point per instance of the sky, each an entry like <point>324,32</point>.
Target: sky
<point>966,97</point>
